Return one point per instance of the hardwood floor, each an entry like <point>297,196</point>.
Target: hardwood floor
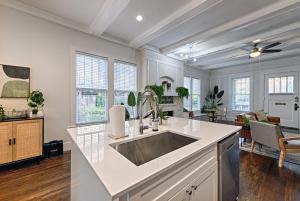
<point>260,180</point>
<point>49,181</point>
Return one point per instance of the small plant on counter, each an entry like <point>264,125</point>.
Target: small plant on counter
<point>35,101</point>
<point>2,112</point>
<point>162,116</point>
<point>182,92</point>
<point>131,100</point>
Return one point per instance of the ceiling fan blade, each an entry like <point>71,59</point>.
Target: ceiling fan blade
<point>271,51</point>
<point>271,45</point>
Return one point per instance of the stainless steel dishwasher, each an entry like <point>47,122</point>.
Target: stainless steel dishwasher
<point>229,168</point>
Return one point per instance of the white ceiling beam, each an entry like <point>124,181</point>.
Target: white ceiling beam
<point>295,27</point>
<point>182,15</point>
<point>288,53</point>
<point>288,47</point>
<point>107,14</point>
<point>236,24</point>
<point>20,6</point>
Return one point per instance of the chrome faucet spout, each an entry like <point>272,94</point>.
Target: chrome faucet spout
<point>147,93</point>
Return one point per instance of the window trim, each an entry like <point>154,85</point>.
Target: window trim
<point>250,91</point>
<point>106,90</point>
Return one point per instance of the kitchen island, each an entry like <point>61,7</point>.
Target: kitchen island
<point>101,172</point>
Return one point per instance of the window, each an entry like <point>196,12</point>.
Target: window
<point>281,85</point>
<point>91,88</point>
<point>241,94</point>
<point>125,80</point>
<point>195,94</point>
<point>187,101</point>
<point>192,103</point>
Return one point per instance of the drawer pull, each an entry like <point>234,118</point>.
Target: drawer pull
<point>189,192</point>
<point>9,142</point>
<point>14,140</point>
<point>280,103</point>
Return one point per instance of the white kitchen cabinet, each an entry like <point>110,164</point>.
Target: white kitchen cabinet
<point>204,187</point>
<point>193,179</point>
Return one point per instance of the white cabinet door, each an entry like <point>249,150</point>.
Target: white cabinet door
<point>182,195</point>
<point>205,187</point>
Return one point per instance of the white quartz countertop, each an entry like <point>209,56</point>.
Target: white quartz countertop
<point>118,174</point>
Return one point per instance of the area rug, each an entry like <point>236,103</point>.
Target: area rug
<point>267,151</point>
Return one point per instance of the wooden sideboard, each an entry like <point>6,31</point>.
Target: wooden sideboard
<point>21,139</point>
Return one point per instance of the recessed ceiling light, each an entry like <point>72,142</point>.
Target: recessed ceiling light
<point>139,18</point>
<point>181,55</point>
<point>186,56</point>
<point>195,59</point>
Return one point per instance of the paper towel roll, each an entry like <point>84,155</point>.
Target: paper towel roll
<point>117,121</point>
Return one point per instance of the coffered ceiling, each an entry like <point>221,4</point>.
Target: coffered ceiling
<point>207,34</point>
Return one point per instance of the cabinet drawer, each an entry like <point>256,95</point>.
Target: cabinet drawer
<point>167,184</point>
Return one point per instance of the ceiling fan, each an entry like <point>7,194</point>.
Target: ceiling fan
<point>257,51</point>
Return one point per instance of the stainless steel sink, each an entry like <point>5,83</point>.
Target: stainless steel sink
<point>143,150</point>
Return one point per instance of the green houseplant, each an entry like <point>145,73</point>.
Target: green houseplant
<point>2,112</point>
<point>35,101</point>
<point>131,101</point>
<point>182,92</point>
<point>158,90</point>
<point>214,99</point>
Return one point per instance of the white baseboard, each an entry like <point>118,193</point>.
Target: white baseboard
<point>67,146</point>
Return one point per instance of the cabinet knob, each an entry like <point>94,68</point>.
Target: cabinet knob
<point>190,192</point>
<point>194,187</point>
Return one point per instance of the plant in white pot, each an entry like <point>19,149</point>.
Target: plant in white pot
<point>35,101</point>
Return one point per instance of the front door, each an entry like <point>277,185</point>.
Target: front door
<point>282,97</point>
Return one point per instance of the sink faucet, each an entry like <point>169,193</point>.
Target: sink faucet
<point>148,94</point>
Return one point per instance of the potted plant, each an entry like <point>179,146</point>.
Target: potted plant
<point>182,92</point>
<point>2,112</point>
<point>213,99</point>
<point>158,90</point>
<point>35,101</point>
<point>131,100</point>
<point>163,116</point>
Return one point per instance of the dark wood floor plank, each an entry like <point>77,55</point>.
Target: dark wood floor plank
<point>48,181</point>
<point>260,180</point>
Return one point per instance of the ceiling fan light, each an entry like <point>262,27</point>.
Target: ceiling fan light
<point>255,54</point>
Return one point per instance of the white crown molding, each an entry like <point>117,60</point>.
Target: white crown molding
<point>110,10</point>
<point>44,15</point>
<point>236,24</point>
<point>182,15</point>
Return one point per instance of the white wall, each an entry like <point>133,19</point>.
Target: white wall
<point>204,76</point>
<point>257,72</point>
<point>48,49</point>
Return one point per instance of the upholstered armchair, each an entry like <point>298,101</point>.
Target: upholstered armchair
<point>270,135</point>
<point>246,132</point>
